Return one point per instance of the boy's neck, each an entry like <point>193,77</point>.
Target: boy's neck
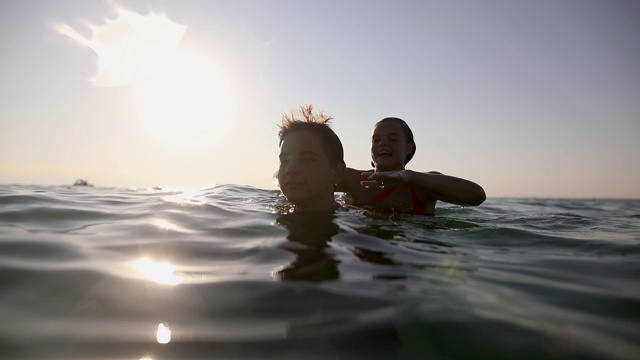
<point>324,206</point>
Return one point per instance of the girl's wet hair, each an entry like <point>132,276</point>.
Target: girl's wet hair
<point>408,134</point>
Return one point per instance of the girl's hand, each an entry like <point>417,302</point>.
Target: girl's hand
<point>384,178</point>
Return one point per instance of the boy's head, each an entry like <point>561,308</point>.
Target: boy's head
<point>318,124</point>
<point>311,159</point>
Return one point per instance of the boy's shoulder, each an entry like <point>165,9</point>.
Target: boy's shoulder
<point>351,180</point>
<point>350,172</point>
<point>355,175</point>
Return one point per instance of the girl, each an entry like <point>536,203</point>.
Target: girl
<point>392,187</point>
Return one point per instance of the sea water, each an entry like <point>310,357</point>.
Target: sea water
<point>226,272</point>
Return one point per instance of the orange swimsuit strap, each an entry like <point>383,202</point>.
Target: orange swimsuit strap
<point>382,195</point>
<point>417,205</point>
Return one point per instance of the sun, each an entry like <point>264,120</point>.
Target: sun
<point>187,102</point>
<point>129,46</point>
<point>182,97</point>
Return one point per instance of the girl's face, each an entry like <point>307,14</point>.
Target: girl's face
<point>389,147</point>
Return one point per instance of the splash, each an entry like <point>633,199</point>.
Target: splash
<point>130,46</point>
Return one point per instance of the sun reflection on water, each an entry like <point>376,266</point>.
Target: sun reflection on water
<point>187,197</point>
<point>165,225</point>
<point>160,272</point>
<point>163,335</point>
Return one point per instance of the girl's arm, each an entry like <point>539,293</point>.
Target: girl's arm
<point>441,187</point>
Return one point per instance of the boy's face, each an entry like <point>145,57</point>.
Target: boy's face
<point>389,147</point>
<point>305,176</point>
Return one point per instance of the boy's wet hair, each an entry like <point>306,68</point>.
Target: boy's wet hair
<point>304,119</point>
<point>408,134</point>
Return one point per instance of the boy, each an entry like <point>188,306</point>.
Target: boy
<point>311,160</point>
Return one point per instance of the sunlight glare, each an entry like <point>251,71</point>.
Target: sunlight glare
<point>182,97</point>
<point>129,47</point>
<point>187,102</point>
<point>161,273</point>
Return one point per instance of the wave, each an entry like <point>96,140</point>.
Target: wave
<point>228,272</point>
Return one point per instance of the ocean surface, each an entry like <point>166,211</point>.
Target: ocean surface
<point>226,272</point>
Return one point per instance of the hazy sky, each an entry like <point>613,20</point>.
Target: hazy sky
<point>527,98</point>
